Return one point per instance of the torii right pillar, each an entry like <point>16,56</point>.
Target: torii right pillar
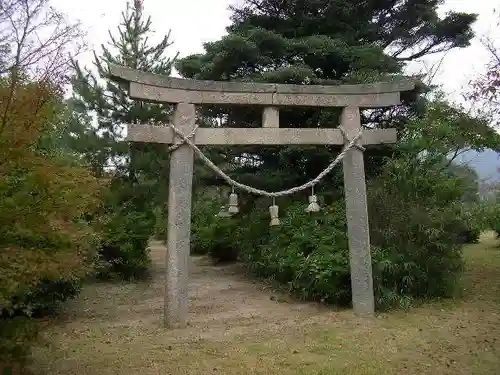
<point>363,301</point>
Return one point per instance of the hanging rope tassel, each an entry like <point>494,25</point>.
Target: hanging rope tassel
<point>313,203</point>
<point>233,203</point>
<point>273,212</point>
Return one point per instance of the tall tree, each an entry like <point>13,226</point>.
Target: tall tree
<point>321,42</point>
<point>98,98</point>
<point>485,89</point>
<point>37,39</point>
<point>45,243</point>
<point>102,108</point>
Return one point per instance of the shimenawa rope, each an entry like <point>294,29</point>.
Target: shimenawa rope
<point>187,140</point>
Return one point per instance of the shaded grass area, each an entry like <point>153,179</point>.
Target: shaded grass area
<point>448,337</point>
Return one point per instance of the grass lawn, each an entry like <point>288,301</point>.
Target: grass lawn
<point>239,327</point>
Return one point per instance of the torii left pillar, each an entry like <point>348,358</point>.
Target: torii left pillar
<point>179,222</point>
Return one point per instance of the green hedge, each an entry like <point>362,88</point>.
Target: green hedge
<point>417,232</point>
<point>308,253</point>
<point>123,251</point>
<point>224,238</point>
<point>127,224</point>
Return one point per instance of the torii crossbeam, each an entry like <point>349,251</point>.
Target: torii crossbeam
<point>186,93</point>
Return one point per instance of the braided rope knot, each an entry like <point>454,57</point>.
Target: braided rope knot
<point>347,140</point>
<point>184,138</point>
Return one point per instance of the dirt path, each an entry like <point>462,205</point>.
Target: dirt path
<point>221,301</point>
<point>239,327</point>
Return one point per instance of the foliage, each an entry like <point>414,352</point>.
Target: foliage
<point>125,234</point>
<point>308,253</point>
<point>444,130</point>
<point>206,205</point>
<point>212,234</point>
<point>46,242</point>
<point>219,240</point>
<point>46,239</point>
<point>416,251</point>
<point>37,39</point>
<point>485,87</point>
<point>422,206</point>
<point>136,171</point>
<point>419,235</point>
<point>415,248</point>
<point>475,219</point>
<point>225,239</point>
<point>471,235</point>
<point>320,42</point>
<point>41,196</point>
<point>495,218</point>
<point>491,214</point>
<point>440,134</point>
<point>429,205</point>
<point>471,207</point>
<point>16,337</point>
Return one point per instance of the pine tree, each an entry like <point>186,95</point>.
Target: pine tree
<point>321,42</point>
<point>137,169</point>
<point>413,200</point>
<point>110,102</point>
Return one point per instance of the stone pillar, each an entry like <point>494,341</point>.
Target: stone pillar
<point>357,219</point>
<point>179,222</point>
<point>270,117</point>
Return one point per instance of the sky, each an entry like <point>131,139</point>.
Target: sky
<point>193,22</point>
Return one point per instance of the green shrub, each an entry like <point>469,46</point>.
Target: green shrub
<point>224,238</point>
<point>128,222</point>
<point>253,228</point>
<point>495,226</point>
<point>492,215</point>
<point>204,225</point>
<point>44,246</point>
<point>219,240</point>
<point>206,205</point>
<point>307,252</point>
<point>470,236</point>
<point>476,217</point>
<point>416,220</point>
<point>418,254</point>
<point>160,231</point>
<point>46,296</point>
<point>17,335</point>
<point>124,249</point>
<point>416,247</point>
<point>417,224</point>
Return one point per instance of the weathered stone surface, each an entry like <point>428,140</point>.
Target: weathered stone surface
<point>258,136</point>
<point>271,117</point>
<point>357,219</point>
<point>337,100</point>
<point>179,222</point>
<point>152,87</point>
<point>365,88</point>
<point>121,73</point>
<point>151,93</point>
<point>160,94</point>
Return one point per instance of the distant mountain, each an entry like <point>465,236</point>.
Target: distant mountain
<point>485,163</point>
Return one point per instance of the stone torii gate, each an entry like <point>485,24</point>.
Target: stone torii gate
<point>186,93</point>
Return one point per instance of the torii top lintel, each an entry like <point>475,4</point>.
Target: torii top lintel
<point>158,88</point>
